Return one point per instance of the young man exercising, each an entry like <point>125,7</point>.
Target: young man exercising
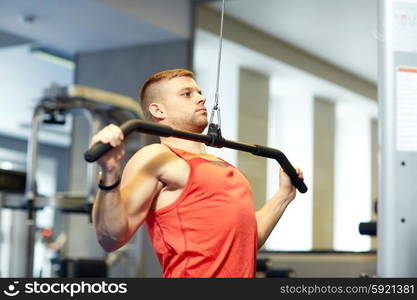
<point>198,209</point>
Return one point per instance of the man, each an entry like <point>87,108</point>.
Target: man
<point>198,208</point>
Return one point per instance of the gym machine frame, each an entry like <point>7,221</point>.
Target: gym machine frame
<point>59,101</point>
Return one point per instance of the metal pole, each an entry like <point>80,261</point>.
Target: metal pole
<point>397,223</point>
<point>94,124</point>
<point>31,191</point>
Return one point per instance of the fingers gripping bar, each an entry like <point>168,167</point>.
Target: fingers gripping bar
<point>99,149</point>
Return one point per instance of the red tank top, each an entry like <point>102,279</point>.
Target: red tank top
<point>210,229</point>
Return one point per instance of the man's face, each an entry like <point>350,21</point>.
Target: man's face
<point>183,103</point>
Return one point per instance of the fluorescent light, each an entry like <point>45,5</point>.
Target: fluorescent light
<point>6,165</point>
<point>53,58</point>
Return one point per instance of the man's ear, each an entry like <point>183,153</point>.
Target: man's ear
<point>158,111</point>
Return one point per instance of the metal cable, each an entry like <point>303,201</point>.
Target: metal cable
<point>216,95</point>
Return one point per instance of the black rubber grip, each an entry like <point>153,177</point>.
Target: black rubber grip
<point>99,149</point>
<point>368,228</point>
<point>284,163</point>
<point>96,151</point>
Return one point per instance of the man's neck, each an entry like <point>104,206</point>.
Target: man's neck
<point>186,145</point>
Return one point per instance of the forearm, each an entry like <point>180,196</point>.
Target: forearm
<point>109,216</point>
<point>268,216</point>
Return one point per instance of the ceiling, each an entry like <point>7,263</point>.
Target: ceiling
<point>78,26</point>
<point>342,32</point>
<point>69,28</point>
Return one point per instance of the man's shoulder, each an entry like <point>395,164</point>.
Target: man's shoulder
<point>153,153</point>
<point>152,148</point>
<point>150,151</point>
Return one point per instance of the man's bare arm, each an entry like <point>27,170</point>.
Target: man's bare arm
<point>269,215</point>
<point>118,213</point>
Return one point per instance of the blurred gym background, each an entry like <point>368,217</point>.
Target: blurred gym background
<point>297,75</point>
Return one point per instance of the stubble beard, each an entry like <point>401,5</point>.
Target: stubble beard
<point>193,125</point>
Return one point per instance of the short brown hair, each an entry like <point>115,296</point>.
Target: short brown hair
<point>145,100</point>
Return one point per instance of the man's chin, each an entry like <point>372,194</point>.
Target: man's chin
<point>203,126</point>
<point>199,128</point>
<point>196,128</point>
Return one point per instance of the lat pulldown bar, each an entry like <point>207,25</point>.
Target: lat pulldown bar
<point>97,150</point>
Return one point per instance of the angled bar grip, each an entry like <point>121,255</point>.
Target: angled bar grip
<point>97,150</point>
<point>284,163</point>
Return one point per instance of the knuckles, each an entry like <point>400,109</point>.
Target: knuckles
<point>111,134</point>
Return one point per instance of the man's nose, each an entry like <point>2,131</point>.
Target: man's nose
<point>201,99</point>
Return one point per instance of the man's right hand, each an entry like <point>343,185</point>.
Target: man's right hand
<point>110,161</point>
